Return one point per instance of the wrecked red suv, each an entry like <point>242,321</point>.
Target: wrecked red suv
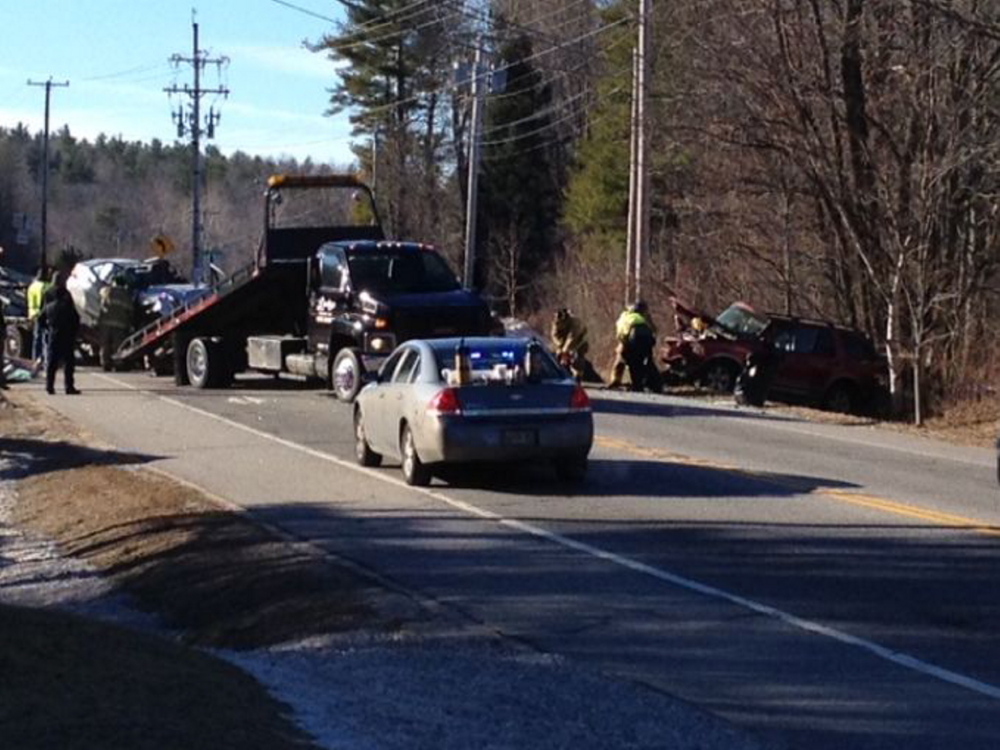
<point>817,362</point>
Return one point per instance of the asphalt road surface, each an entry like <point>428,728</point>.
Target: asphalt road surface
<point>824,586</point>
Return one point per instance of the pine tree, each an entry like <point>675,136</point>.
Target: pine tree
<point>394,62</point>
<point>598,190</point>
<point>519,190</point>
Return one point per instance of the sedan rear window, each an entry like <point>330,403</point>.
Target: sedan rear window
<point>504,363</point>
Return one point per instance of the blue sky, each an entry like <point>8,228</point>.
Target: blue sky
<point>115,55</point>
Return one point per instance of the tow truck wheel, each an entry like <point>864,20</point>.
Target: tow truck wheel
<point>205,363</point>
<point>346,374</point>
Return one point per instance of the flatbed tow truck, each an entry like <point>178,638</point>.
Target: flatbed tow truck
<point>326,301</point>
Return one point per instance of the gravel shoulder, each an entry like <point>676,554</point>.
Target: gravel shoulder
<point>136,611</point>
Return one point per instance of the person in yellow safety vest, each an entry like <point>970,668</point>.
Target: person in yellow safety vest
<point>115,320</point>
<point>569,342</point>
<point>36,294</point>
<point>636,336</point>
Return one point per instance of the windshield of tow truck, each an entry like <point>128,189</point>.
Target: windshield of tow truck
<point>741,321</point>
<point>400,271</point>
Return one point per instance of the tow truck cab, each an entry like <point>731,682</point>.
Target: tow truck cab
<point>368,296</point>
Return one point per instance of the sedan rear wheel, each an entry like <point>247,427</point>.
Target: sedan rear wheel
<point>365,455</point>
<point>414,471</point>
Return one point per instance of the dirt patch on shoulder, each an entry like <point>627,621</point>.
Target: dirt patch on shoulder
<point>220,579</point>
<point>212,574</point>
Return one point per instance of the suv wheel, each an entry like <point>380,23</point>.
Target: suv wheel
<point>720,377</point>
<point>840,398</point>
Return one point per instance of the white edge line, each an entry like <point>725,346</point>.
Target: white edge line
<point>896,657</point>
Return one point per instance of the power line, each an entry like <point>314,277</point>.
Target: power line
<point>483,76</point>
<point>129,71</point>
<point>548,126</point>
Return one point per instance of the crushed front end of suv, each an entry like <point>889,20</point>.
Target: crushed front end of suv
<point>815,361</point>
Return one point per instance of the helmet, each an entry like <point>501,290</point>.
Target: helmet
<point>640,307</point>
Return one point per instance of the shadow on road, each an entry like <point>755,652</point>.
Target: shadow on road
<point>22,456</point>
<point>664,480</point>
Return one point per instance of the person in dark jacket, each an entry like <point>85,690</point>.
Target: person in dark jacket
<point>63,322</point>
<point>3,345</point>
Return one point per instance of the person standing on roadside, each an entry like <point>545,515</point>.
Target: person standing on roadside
<point>63,322</point>
<point>115,319</point>
<point>3,344</point>
<point>36,294</point>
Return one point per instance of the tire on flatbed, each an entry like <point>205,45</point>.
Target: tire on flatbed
<point>18,341</point>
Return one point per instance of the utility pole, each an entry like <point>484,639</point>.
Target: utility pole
<point>190,123</point>
<point>478,90</point>
<point>633,173</point>
<point>642,144</point>
<point>375,162</point>
<point>45,168</point>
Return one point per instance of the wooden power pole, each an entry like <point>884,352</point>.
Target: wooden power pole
<point>43,261</point>
<point>642,143</point>
<point>472,201</point>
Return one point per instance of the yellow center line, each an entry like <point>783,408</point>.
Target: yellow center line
<point>845,496</point>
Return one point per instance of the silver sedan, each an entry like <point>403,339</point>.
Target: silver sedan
<point>464,400</point>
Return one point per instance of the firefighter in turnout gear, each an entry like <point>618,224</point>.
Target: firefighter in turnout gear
<point>115,321</point>
<point>569,343</point>
<point>636,336</point>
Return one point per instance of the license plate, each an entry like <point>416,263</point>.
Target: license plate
<point>519,437</point>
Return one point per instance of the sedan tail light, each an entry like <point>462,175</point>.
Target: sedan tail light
<point>579,401</point>
<point>445,401</point>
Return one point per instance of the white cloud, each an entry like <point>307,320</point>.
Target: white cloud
<point>283,59</point>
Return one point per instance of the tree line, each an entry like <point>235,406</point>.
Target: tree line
<point>825,158</point>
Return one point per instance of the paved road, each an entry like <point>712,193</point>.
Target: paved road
<point>821,585</point>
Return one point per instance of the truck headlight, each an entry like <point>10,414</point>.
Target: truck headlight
<point>380,343</point>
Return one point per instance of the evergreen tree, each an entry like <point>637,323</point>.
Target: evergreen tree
<point>393,63</point>
<point>598,190</point>
<point>519,190</point>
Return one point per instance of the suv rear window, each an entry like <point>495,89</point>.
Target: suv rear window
<point>806,340</point>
